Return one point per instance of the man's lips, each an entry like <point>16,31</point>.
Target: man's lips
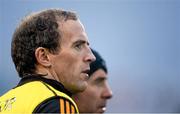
<point>102,107</point>
<point>86,71</point>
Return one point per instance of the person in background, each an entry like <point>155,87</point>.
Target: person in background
<point>94,98</point>
<point>51,53</point>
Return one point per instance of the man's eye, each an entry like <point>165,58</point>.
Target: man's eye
<point>78,46</point>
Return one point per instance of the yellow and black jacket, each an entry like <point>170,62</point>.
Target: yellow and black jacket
<point>35,94</point>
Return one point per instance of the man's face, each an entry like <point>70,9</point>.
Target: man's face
<point>71,64</point>
<point>94,98</point>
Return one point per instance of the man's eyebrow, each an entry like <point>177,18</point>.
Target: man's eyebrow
<point>80,42</point>
<point>100,79</point>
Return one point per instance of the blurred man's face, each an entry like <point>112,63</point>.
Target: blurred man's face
<point>71,64</point>
<point>94,98</point>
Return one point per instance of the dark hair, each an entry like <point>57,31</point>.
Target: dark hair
<point>39,29</point>
<point>99,63</point>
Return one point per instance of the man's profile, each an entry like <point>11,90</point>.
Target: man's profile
<point>51,53</point>
<point>94,98</point>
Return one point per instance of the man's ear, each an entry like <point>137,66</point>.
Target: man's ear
<point>42,56</point>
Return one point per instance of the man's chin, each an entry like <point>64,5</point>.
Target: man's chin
<point>83,86</point>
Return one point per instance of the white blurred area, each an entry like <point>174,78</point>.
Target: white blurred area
<point>139,39</point>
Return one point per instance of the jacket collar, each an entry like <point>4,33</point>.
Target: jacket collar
<point>55,84</point>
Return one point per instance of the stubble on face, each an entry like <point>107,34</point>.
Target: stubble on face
<point>69,64</point>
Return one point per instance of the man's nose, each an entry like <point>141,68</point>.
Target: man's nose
<point>90,56</point>
<point>107,93</point>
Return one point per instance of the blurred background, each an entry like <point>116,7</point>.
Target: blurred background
<point>139,39</point>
